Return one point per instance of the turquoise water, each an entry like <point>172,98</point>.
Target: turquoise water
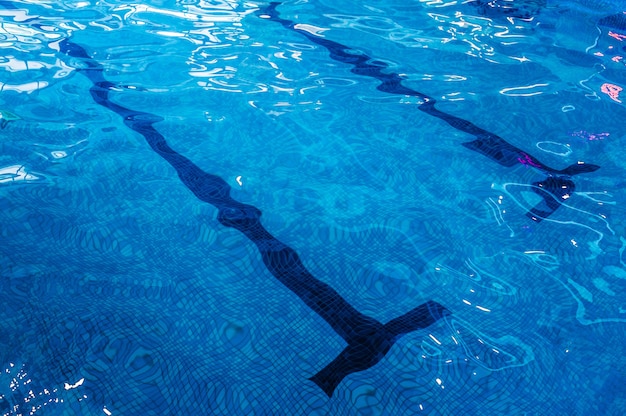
<point>128,288</point>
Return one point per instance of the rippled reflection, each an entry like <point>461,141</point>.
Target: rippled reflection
<point>22,70</point>
<point>16,173</point>
<point>218,49</point>
<point>21,395</point>
<point>466,344</point>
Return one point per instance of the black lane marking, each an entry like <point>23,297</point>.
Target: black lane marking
<point>615,21</point>
<point>368,339</point>
<point>554,189</point>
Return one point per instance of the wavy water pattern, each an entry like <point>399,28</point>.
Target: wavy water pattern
<point>552,190</point>
<point>26,75</point>
<point>122,293</point>
<point>368,340</point>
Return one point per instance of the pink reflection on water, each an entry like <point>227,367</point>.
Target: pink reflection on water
<point>589,136</point>
<point>526,160</point>
<point>612,91</point>
<point>617,36</point>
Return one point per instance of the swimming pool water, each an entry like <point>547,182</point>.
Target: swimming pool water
<point>333,208</point>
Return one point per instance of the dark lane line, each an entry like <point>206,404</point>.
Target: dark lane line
<point>553,189</point>
<point>368,339</point>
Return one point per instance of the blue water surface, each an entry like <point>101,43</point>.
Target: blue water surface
<point>224,208</point>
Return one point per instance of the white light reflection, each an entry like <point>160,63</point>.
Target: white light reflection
<point>68,386</point>
<point>520,58</point>
<point>22,397</point>
<point>313,30</point>
<point>594,246</point>
<point>599,201</point>
<point>26,33</point>
<point>16,173</point>
<point>497,213</point>
<point>60,154</point>
<point>16,37</point>
<point>193,14</point>
<point>440,383</point>
<point>518,91</point>
<point>434,339</point>
<point>170,34</point>
<point>554,147</point>
<point>27,87</point>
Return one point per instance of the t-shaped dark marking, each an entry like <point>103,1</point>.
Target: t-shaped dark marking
<point>368,339</point>
<point>552,190</point>
<point>486,143</point>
